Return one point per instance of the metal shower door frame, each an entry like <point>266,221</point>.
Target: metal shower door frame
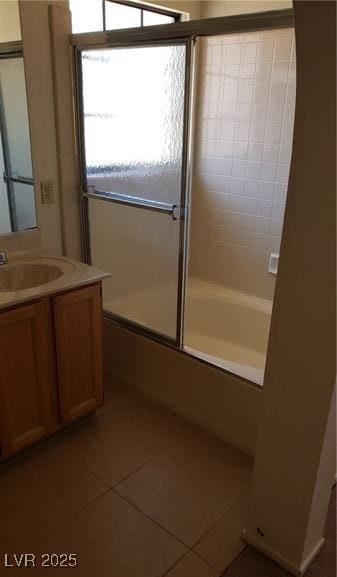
<point>177,212</point>
<point>189,32</point>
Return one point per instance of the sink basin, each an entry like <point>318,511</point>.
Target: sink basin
<point>17,277</point>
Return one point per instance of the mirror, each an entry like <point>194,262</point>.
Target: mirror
<point>17,193</point>
<point>17,196</point>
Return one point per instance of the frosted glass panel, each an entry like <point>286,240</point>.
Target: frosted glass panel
<point>119,16</point>
<point>133,100</point>
<point>140,248</point>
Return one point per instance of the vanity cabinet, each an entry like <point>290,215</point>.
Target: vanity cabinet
<point>50,365</point>
<point>79,337</point>
<point>28,410</point>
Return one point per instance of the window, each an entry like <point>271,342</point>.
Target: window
<point>116,14</point>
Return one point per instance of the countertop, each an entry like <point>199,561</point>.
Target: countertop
<point>75,274</point>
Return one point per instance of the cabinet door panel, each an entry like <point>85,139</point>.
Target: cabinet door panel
<point>78,323</point>
<point>27,386</point>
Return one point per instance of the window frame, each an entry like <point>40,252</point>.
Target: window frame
<point>143,8</point>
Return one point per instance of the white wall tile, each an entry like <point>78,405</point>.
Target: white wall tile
<point>278,210</point>
<point>265,208</point>
<point>259,112</point>
<point>282,173</point>
<point>240,150</point>
<point>253,169</point>
<point>261,93</point>
<point>275,112</point>
<point>225,166</point>
<point>248,222</point>
<point>250,52</point>
<point>271,152</point>
<point>273,133</point>
<point>250,205</point>
<point>238,186</point>
<point>257,132</point>
<point>233,54</point>
<point>267,190</point>
<point>252,187</point>
<point>280,192</point>
<point>283,49</point>
<point>239,168</point>
<point>227,130</point>
<point>226,147</point>
<point>242,130</point>
<point>255,151</point>
<point>262,225</point>
<point>246,102</point>
<point>244,111</point>
<point>268,171</point>
<point>266,51</point>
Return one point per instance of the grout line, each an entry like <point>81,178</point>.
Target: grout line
<point>210,564</point>
<point>176,563</point>
<point>127,500</point>
<point>64,521</point>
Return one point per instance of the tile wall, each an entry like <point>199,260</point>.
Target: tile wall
<point>244,129</point>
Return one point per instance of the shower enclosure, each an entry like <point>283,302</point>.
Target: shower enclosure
<point>185,136</point>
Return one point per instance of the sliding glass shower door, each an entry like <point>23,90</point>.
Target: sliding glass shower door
<point>133,103</point>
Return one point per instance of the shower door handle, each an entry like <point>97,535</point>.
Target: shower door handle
<point>177,212</point>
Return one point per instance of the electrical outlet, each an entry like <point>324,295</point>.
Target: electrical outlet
<point>47,192</point>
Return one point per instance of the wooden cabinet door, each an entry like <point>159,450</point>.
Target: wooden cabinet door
<point>78,325</point>
<point>28,408</point>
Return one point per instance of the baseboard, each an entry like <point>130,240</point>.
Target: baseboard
<point>298,571</point>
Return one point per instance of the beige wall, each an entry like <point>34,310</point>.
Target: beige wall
<point>214,9</point>
<point>39,82</point>
<point>9,21</point>
<point>191,7</point>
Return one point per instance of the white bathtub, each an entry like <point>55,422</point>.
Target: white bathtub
<point>227,328</point>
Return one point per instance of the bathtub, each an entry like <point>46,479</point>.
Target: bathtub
<point>227,328</point>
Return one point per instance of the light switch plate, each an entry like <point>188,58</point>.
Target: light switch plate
<point>47,192</point>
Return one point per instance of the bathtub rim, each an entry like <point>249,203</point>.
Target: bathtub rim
<point>158,338</point>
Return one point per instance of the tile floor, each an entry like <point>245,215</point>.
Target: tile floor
<point>134,491</point>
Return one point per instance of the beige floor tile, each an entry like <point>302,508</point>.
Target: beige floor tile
<point>188,487</point>
<point>192,566</point>
<point>113,539</point>
<point>122,397</point>
<point>223,543</point>
<point>37,493</point>
<point>111,445</point>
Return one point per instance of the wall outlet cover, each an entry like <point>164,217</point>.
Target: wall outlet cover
<point>47,192</point>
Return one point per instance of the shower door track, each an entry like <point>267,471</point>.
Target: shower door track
<point>187,31</point>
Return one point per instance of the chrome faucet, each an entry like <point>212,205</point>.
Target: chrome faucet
<point>3,258</point>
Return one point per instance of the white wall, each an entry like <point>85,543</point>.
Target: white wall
<point>9,21</point>
<point>191,7</point>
